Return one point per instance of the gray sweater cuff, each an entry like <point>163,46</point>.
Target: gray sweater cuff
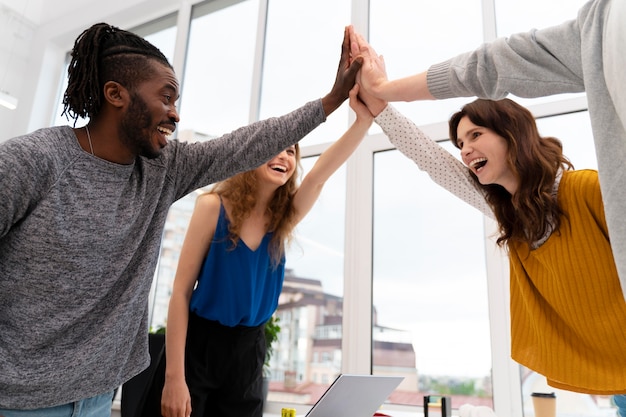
<point>437,79</point>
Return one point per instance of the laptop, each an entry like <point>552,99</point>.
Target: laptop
<point>354,396</point>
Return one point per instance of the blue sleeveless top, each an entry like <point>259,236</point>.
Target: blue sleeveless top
<point>237,286</point>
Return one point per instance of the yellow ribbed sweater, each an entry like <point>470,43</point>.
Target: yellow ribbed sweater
<point>568,314</point>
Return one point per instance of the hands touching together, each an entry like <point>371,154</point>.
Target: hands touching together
<point>372,75</point>
<point>359,64</point>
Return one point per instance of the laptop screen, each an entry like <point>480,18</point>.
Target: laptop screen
<point>354,396</point>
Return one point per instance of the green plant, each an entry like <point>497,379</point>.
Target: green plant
<point>272,328</point>
<point>158,330</point>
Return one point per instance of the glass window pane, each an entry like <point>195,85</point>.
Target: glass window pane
<point>317,251</point>
<point>412,35</point>
<point>517,16</point>
<point>161,33</point>
<point>174,232</point>
<point>217,84</point>
<point>302,51</point>
<point>308,354</point>
<point>430,287</point>
<point>574,132</point>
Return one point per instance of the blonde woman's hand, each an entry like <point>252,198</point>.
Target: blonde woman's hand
<point>359,107</point>
<point>176,400</point>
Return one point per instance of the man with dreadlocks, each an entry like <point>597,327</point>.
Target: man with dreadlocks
<point>83,213</point>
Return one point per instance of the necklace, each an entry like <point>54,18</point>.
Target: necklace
<point>89,139</point>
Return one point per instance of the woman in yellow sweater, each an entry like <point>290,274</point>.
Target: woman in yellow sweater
<point>568,314</point>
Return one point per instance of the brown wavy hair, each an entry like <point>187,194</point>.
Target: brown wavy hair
<point>532,212</point>
<point>240,191</point>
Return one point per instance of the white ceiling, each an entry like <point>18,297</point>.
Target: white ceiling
<point>40,12</point>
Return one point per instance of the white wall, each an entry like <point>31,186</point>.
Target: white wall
<point>16,38</point>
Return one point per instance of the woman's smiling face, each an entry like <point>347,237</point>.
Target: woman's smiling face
<point>280,168</point>
<point>486,154</point>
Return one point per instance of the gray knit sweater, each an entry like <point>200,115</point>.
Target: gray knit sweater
<point>79,242</point>
<point>585,54</point>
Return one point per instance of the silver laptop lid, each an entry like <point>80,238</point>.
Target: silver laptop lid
<point>354,396</point>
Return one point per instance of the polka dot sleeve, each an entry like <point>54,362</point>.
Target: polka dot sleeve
<point>443,167</point>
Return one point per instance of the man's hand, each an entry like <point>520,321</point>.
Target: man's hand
<point>349,66</point>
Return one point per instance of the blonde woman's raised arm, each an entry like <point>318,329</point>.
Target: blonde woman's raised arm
<point>331,159</point>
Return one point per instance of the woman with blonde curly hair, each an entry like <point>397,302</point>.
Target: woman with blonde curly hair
<point>230,275</point>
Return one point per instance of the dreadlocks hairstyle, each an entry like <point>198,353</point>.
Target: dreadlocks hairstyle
<point>240,190</point>
<point>532,211</point>
<point>105,53</point>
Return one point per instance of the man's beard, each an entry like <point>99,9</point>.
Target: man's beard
<point>136,128</point>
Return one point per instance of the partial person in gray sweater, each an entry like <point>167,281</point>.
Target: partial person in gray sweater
<point>83,212</point>
<point>584,54</point>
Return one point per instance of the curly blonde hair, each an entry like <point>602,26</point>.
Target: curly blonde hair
<point>240,191</point>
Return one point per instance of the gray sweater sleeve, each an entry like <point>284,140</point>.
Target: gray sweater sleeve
<point>202,163</point>
<point>531,64</point>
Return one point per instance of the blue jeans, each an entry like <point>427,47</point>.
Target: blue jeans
<point>620,402</point>
<point>98,406</point>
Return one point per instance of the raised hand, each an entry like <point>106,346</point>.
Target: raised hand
<point>373,74</point>
<point>349,66</point>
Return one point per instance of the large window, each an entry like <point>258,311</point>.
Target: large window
<point>217,85</point>
<point>317,251</point>
<point>309,352</point>
<point>411,35</point>
<point>302,51</point>
<point>429,274</point>
<point>430,286</point>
